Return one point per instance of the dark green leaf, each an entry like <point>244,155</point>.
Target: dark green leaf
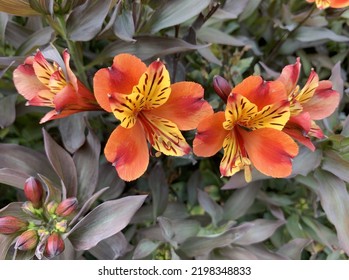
<point>104,221</point>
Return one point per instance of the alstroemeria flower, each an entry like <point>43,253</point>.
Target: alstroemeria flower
<point>51,85</point>
<point>315,101</point>
<point>250,131</point>
<point>149,109</point>
<point>323,4</point>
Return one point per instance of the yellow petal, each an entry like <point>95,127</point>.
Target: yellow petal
<point>239,110</point>
<point>272,116</point>
<point>126,107</point>
<point>164,135</point>
<point>154,85</point>
<point>308,90</point>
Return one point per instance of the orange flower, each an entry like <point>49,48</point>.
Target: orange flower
<point>149,109</point>
<point>50,85</point>
<point>323,4</point>
<point>250,131</point>
<point>315,101</point>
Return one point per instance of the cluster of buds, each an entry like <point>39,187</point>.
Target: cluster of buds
<point>43,230</point>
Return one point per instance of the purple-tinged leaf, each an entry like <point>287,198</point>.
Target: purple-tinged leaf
<point>262,253</point>
<point>158,185</point>
<point>86,160</point>
<point>209,56</point>
<point>345,130</point>
<point>336,79</point>
<point>195,182</point>
<point>147,47</point>
<point>87,205</point>
<point>109,178</point>
<point>144,248</point>
<point>294,248</point>
<point>42,6</point>
<point>35,40</point>
<point>334,200</point>
<point>249,9</point>
<point>7,110</point>
<point>277,212</point>
<point>213,35</point>
<point>238,180</point>
<point>104,221</point>
<point>111,248</point>
<point>124,27</point>
<point>335,164</point>
<point>86,20</point>
<point>175,12</point>
<point>53,193</point>
<point>313,34</point>
<point>62,163</point>
<point>306,161</point>
<point>211,207</point>
<point>3,22</point>
<point>13,177</point>
<point>14,209</point>
<point>255,231</point>
<point>274,199</point>
<point>69,252</point>
<point>167,230</point>
<point>25,160</point>
<point>72,131</point>
<point>16,34</point>
<point>5,244</point>
<point>231,9</point>
<point>237,253</point>
<point>240,201</point>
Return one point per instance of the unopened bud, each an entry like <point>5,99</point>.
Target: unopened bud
<point>11,224</point>
<point>51,207</point>
<point>54,245</point>
<point>67,207</point>
<point>27,240</point>
<point>61,226</point>
<point>33,191</point>
<point>221,87</point>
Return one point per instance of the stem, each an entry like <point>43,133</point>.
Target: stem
<point>73,49</point>
<point>285,36</point>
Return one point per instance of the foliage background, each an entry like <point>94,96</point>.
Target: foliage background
<point>190,211</point>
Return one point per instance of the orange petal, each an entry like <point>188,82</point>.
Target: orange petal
<point>120,78</point>
<point>210,135</point>
<point>185,106</point>
<point>270,151</point>
<point>25,80</point>
<point>66,99</point>
<point>339,3</point>
<point>71,76</point>
<point>154,85</point>
<point>125,107</point>
<point>289,76</point>
<point>297,134</point>
<point>324,101</point>
<point>42,98</point>
<point>308,90</point>
<point>164,135</point>
<point>127,150</point>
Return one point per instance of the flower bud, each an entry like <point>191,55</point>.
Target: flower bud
<point>221,87</point>
<point>61,226</point>
<point>67,207</point>
<point>51,207</point>
<point>27,240</point>
<point>33,191</point>
<point>11,224</point>
<point>54,245</point>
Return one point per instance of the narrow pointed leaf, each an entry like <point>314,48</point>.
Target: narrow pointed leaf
<point>335,164</point>
<point>159,189</point>
<point>294,248</point>
<point>7,110</point>
<point>144,248</point>
<point>210,206</point>
<point>13,177</point>
<point>105,220</point>
<point>62,163</point>
<point>72,131</point>
<point>5,244</point>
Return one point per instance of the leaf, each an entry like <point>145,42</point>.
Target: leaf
<point>146,47</point>
<point>86,20</point>
<point>62,163</point>
<point>237,253</point>
<point>43,6</point>
<point>334,200</point>
<point>25,160</point>
<point>294,248</point>
<point>255,231</point>
<point>144,248</point>
<point>13,177</point>
<point>53,193</point>
<point>240,201</point>
<point>238,180</point>
<point>14,209</point>
<point>231,9</point>
<point>104,221</point>
<point>157,182</point>
<point>306,161</point>
<point>167,230</point>
<point>175,12</point>
<point>124,27</point>
<point>111,248</point>
<point>5,244</point>
<point>249,9</point>
<point>72,131</point>
<point>210,206</point>
<point>335,164</point>
<point>3,22</point>
<point>7,110</point>
<point>35,40</point>
<point>213,35</point>
<point>262,253</point>
<point>311,34</point>
<point>209,56</point>
<point>86,160</point>
<point>195,182</point>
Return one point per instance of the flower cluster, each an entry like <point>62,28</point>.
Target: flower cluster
<point>40,226</point>
<point>257,129</point>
